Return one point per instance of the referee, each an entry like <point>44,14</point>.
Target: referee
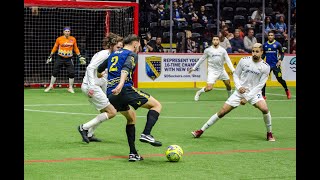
<point>65,45</point>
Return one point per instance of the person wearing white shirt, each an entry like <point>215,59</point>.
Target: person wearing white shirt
<point>217,56</point>
<point>249,78</point>
<point>95,87</point>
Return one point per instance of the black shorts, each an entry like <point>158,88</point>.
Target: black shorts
<point>276,71</point>
<point>128,96</point>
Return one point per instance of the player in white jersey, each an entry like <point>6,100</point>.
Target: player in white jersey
<point>217,56</point>
<point>95,89</point>
<point>249,77</point>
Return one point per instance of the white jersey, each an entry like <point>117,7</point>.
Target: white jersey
<point>216,59</point>
<point>251,75</point>
<point>90,77</point>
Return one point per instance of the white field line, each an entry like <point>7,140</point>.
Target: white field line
<point>180,102</point>
<point>168,117</point>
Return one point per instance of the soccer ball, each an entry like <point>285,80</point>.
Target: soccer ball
<point>174,153</point>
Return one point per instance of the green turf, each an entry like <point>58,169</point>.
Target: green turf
<point>233,148</point>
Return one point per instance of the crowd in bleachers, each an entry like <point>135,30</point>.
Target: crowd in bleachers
<point>195,21</point>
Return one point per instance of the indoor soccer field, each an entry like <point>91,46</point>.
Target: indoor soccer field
<point>233,148</point>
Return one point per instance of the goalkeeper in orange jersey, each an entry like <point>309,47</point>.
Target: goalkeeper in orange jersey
<point>65,45</point>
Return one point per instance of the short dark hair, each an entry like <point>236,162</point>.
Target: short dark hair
<point>130,38</point>
<point>215,36</point>
<point>271,31</point>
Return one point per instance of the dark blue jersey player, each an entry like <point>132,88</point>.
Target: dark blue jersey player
<point>273,52</point>
<point>120,66</point>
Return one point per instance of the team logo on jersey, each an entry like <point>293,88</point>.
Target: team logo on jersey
<point>274,45</point>
<point>293,64</point>
<point>153,66</point>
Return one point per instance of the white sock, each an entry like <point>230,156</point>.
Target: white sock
<point>71,80</point>
<point>229,93</point>
<point>95,121</point>
<point>52,81</point>
<point>91,130</point>
<point>267,121</point>
<point>210,122</point>
<point>201,90</point>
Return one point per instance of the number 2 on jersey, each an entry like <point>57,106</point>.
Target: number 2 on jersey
<point>114,61</point>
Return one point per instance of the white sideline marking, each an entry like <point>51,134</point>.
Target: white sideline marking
<point>168,117</point>
<point>181,102</point>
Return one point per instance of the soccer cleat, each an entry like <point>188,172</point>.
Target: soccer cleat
<point>94,139</point>
<point>288,94</point>
<point>197,96</point>
<point>270,137</point>
<point>150,139</point>
<point>135,157</point>
<point>48,89</point>
<point>264,97</point>
<point>71,90</point>
<point>84,134</point>
<point>197,133</point>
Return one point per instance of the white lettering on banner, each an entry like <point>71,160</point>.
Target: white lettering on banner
<point>174,68</point>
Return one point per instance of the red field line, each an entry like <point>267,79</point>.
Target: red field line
<point>155,155</point>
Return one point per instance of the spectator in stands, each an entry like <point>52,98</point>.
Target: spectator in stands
<point>162,14</point>
<point>237,43</point>
<point>224,42</point>
<point>226,33</point>
<point>191,45</point>
<point>240,27</point>
<point>192,17</point>
<point>268,25</point>
<point>177,14</point>
<point>189,8</point>
<point>203,16</point>
<point>281,27</point>
<point>249,40</point>
<point>148,43</point>
<point>157,46</point>
<point>257,19</point>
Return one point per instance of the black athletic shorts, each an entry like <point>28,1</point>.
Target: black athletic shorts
<point>276,71</point>
<point>128,96</point>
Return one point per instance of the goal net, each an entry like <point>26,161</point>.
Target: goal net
<point>90,21</point>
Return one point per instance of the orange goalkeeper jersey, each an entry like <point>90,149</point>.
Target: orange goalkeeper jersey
<point>65,46</point>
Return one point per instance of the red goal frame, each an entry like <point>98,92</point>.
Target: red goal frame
<point>91,4</point>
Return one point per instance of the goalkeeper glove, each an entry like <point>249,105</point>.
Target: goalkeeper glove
<point>82,60</point>
<point>49,59</point>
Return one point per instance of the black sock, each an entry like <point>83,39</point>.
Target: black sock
<point>131,135</point>
<point>152,118</point>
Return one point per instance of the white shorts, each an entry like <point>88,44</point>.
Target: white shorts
<point>99,99</point>
<point>234,99</point>
<point>213,76</point>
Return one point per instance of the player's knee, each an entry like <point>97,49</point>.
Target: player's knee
<point>158,107</point>
<point>112,113</point>
<point>264,110</point>
<point>209,88</point>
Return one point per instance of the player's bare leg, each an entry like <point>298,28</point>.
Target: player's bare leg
<point>262,106</point>
<point>154,107</point>
<point>228,87</point>
<point>226,108</point>
<point>202,90</point>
